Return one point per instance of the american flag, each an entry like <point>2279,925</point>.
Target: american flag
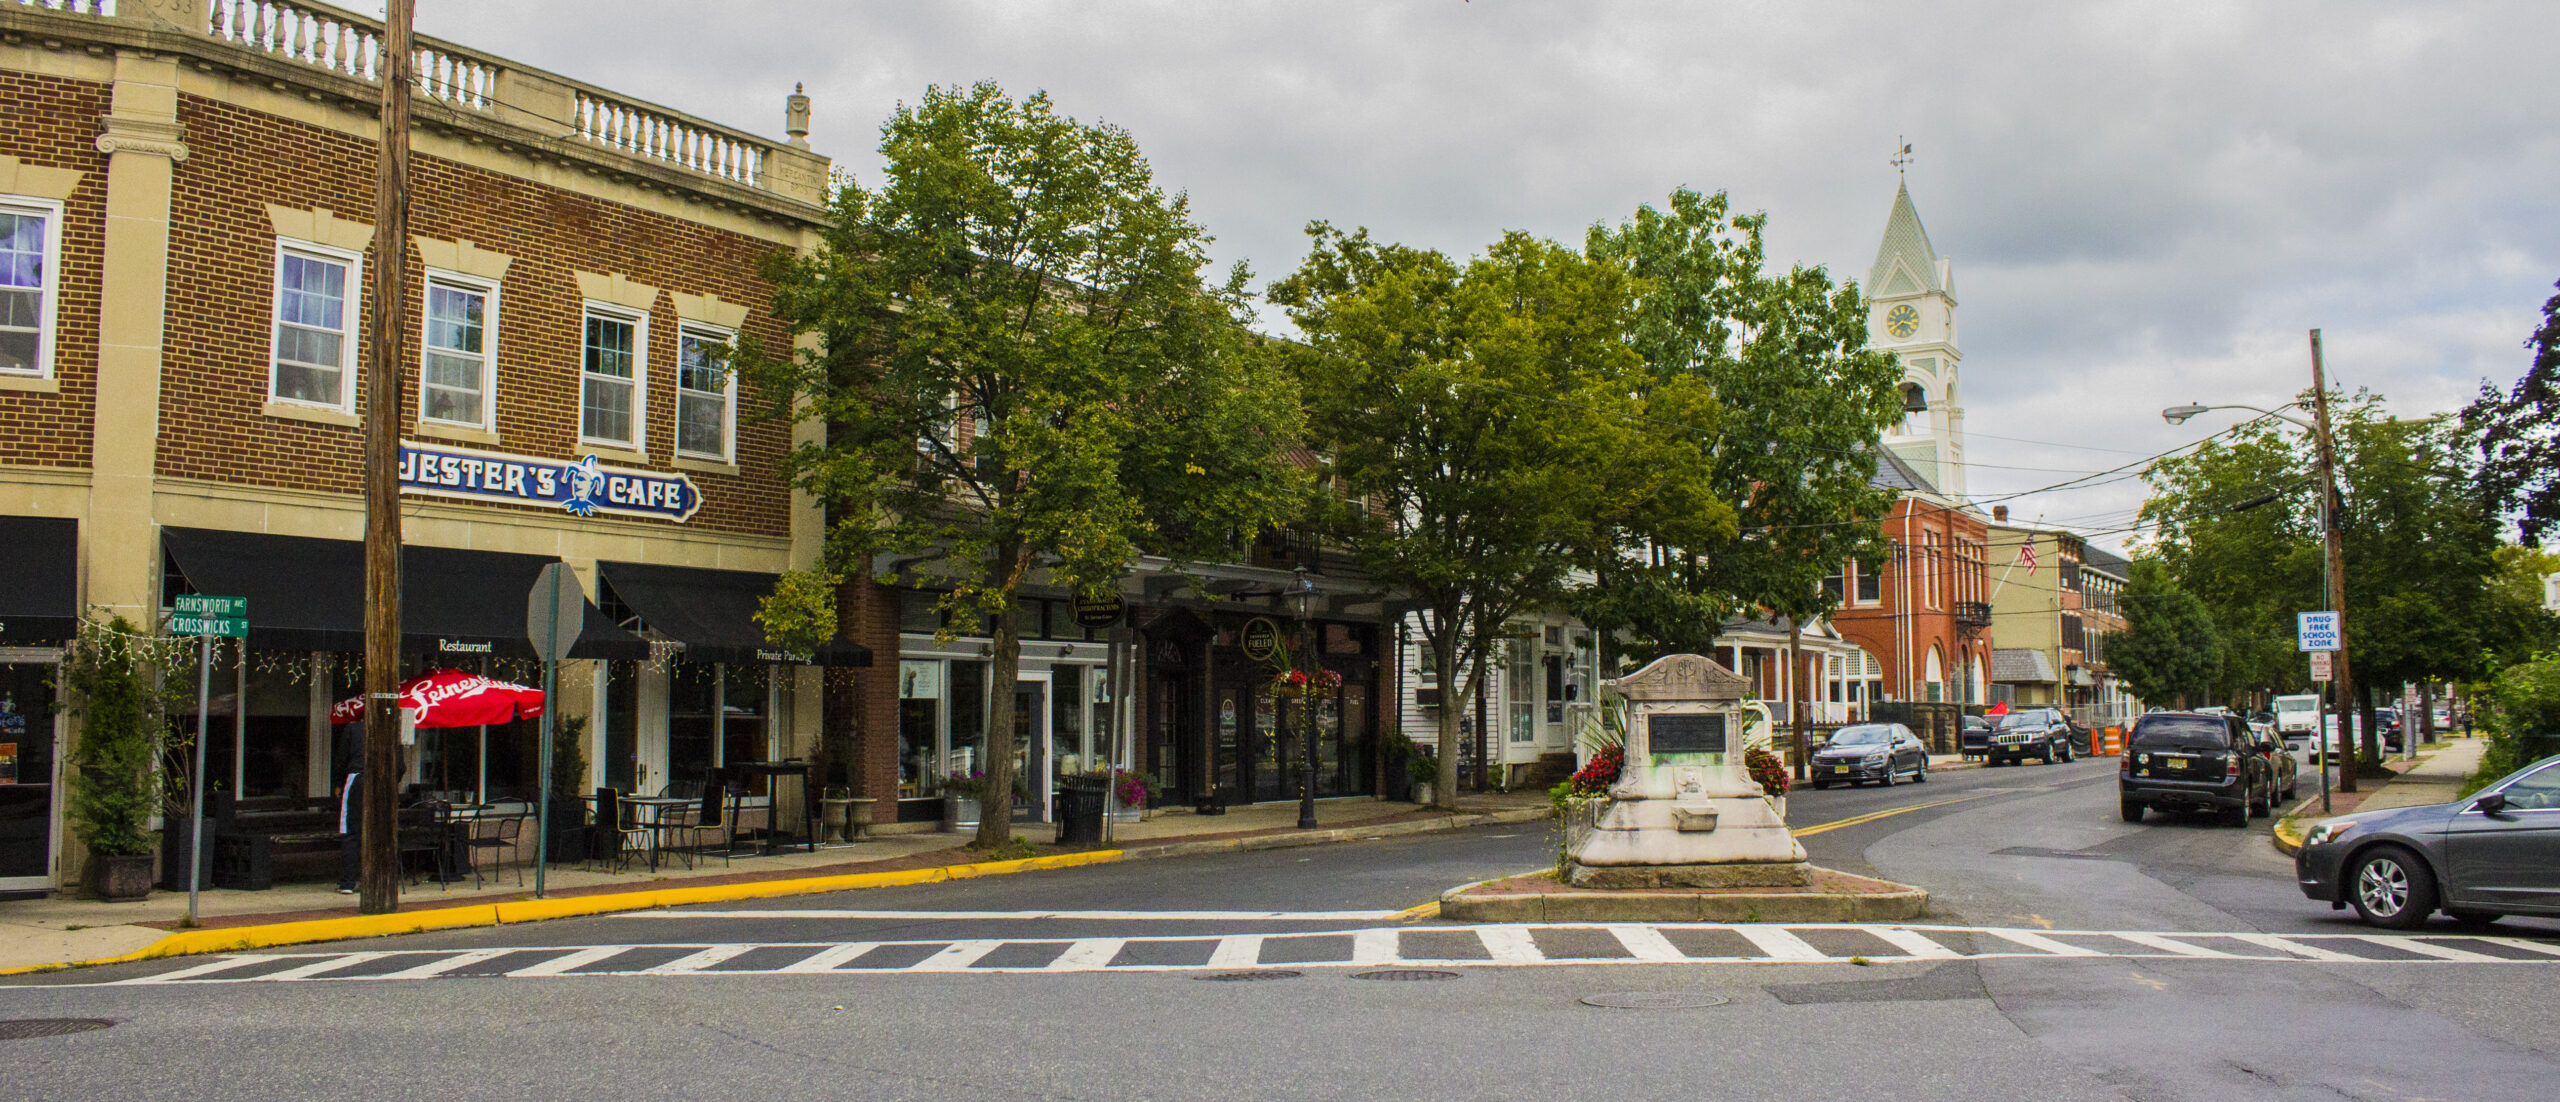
<point>2027,555</point>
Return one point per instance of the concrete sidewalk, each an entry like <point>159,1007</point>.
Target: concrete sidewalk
<point>63,929</point>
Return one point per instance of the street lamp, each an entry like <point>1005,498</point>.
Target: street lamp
<point>1303,596</point>
<point>2333,562</point>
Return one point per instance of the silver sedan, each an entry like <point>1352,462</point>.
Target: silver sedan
<point>2492,854</point>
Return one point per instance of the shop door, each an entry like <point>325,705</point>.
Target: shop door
<point>1031,749</point>
<point>26,777</point>
<point>1175,739</point>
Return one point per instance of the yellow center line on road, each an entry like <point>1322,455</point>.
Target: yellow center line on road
<point>1872,816</point>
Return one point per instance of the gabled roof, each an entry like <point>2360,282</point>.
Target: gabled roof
<point>1893,473</point>
<point>1906,242</point>
<point>2107,561</point>
<point>2013,665</point>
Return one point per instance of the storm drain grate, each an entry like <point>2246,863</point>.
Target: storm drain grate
<point>20,1029</point>
<point>1263,974</point>
<point>1408,975</point>
<point>1654,1000</point>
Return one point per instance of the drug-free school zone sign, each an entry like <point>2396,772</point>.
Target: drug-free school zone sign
<point>583,487</point>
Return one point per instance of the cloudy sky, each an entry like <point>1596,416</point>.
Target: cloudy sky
<point>2146,203</point>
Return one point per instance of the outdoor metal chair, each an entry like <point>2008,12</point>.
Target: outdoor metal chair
<point>615,833</point>
<point>500,843</point>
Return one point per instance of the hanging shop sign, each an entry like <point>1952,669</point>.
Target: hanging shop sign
<point>583,488</point>
<point>1261,639</point>
<point>1099,612</point>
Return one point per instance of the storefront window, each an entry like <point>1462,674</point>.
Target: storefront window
<point>693,726</point>
<point>1067,750</point>
<point>967,701</point>
<point>275,757</point>
<point>746,696</point>
<point>621,725</point>
<point>1520,686</point>
<point>919,726</point>
<point>26,774</point>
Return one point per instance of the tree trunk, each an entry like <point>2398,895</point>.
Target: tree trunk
<point>1795,694</point>
<point>2371,732</point>
<point>1444,665</point>
<point>995,801</point>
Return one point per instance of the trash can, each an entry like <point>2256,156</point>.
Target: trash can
<point>1079,813</point>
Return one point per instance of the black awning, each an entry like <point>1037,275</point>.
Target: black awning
<point>711,612</point>
<point>39,580</point>
<point>308,594</point>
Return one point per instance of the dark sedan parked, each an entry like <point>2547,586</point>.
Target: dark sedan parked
<point>1879,752</point>
<point>2493,854</point>
<point>2197,761</point>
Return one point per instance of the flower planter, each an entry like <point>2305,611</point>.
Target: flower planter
<point>959,813</point>
<point>1422,792</point>
<point>1127,814</point>
<point>120,878</point>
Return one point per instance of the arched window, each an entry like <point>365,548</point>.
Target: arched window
<point>1937,681</point>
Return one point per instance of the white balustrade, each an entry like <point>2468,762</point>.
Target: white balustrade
<point>641,132</point>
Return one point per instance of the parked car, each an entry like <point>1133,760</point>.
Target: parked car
<point>2040,733</point>
<point>2478,859</point>
<point>1975,739</point>
<point>1879,752</point>
<point>2286,767</point>
<point>2198,762</point>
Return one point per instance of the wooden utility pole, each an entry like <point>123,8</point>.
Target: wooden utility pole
<point>2334,561</point>
<point>382,765</point>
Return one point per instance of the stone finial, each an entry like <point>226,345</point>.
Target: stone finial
<point>795,117</point>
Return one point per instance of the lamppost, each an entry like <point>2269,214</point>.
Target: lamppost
<point>1304,597</point>
<point>2333,561</point>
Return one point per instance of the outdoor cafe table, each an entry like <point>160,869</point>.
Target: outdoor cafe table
<point>656,822</point>
<point>774,771</point>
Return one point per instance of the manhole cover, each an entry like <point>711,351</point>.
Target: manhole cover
<point>1654,1000</point>
<point>20,1029</point>
<point>1264,974</point>
<point>1405,974</point>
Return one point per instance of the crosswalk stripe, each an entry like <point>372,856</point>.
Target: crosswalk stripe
<point>1240,951</point>
<point>2426,948</point>
<point>327,964</point>
<point>1088,954</point>
<point>1647,943</point>
<point>2543,947</point>
<point>2171,945</point>
<point>2042,944</point>
<point>448,964</point>
<point>1510,945</point>
<point>1915,943</point>
<point>827,959</point>
<point>697,961</point>
<point>956,957</point>
<point>566,963</point>
<point>1779,944</point>
<point>1374,947</point>
<point>206,969</point>
<point>2288,945</point>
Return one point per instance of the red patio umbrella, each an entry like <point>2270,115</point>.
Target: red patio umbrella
<point>452,698</point>
<point>2000,709</point>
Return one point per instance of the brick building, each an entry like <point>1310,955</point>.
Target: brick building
<point>2057,601</point>
<point>185,259</point>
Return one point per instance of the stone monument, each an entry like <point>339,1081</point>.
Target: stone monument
<point>1685,811</point>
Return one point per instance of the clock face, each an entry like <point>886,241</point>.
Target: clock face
<point>1902,321</point>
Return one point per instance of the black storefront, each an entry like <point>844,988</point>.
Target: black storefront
<point>1216,726</point>
<point>39,610</point>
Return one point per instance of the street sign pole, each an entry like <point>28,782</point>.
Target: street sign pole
<point>195,819</point>
<point>555,612</point>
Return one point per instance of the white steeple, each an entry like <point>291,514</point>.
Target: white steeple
<point>1911,312</point>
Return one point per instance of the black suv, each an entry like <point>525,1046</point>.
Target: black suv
<point>2040,733</point>
<point>2197,761</point>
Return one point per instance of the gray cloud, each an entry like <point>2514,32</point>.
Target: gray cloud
<point>2147,203</point>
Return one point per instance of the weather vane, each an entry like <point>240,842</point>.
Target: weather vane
<point>1902,155</point>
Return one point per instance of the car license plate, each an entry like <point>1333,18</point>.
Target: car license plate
<point>1839,769</point>
<point>2173,761</point>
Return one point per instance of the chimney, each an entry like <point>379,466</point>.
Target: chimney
<point>795,117</point>
<point>2000,513</point>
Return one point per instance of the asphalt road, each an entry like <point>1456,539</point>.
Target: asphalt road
<point>1075,984</point>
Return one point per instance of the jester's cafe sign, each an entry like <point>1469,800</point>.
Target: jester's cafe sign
<point>582,488</point>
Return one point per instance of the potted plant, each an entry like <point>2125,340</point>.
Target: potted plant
<point>109,686</point>
<point>961,793</point>
<point>1770,774</point>
<point>1133,788</point>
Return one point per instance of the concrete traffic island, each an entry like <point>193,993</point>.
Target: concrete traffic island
<point>1685,832</point>
<point>1827,895</point>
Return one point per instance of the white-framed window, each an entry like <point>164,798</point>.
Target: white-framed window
<point>613,377</point>
<point>706,393</point>
<point>30,255</point>
<point>311,353</point>
<point>457,384</point>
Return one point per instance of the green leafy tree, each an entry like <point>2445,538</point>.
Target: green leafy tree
<point>1488,431</point>
<point>2519,435</point>
<point>109,677</point>
<point>2515,627</point>
<point>2421,547</point>
<point>1802,403</point>
<point>2169,650</point>
<point>2236,522</point>
<point>1022,376</point>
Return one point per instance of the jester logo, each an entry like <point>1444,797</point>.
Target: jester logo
<point>586,488</point>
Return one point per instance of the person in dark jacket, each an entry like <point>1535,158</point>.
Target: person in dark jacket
<point>346,770</point>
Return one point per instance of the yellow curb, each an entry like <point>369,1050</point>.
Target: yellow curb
<point>1416,914</point>
<point>2288,836</point>
<point>271,935</point>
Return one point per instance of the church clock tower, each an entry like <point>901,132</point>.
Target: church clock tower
<point>1911,312</point>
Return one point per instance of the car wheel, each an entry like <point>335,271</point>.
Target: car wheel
<point>2132,811</point>
<point>1921,775</point>
<point>2390,889</point>
<point>1887,779</point>
<point>2048,753</point>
